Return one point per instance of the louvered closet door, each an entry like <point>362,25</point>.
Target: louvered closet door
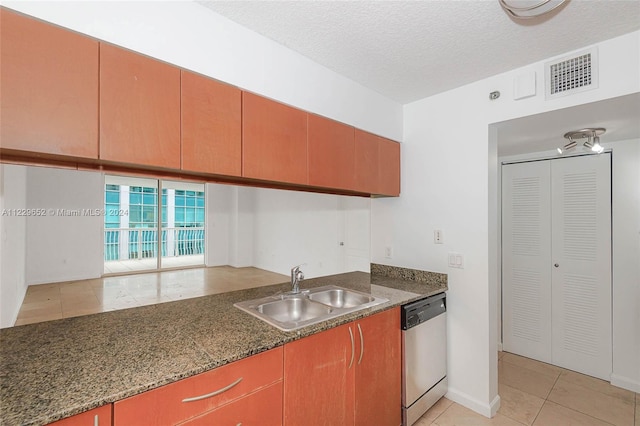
<point>526,260</point>
<point>581,249</point>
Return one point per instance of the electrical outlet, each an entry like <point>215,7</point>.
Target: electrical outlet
<point>388,252</point>
<point>437,237</point>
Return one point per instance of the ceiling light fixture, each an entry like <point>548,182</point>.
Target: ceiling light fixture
<point>527,9</point>
<point>591,136</point>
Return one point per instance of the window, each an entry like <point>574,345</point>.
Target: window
<point>131,223</point>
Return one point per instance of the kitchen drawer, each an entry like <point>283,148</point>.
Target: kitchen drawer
<point>100,416</point>
<point>262,408</point>
<point>165,405</point>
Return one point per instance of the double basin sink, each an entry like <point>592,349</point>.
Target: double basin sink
<point>292,311</point>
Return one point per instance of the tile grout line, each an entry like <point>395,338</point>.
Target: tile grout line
<point>568,408</point>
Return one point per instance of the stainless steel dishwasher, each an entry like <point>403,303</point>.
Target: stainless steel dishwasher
<point>424,355</point>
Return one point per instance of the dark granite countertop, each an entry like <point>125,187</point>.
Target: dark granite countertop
<point>56,369</point>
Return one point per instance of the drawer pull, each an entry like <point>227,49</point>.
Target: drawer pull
<point>214,393</point>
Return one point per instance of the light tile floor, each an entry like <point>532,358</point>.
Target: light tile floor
<point>47,302</point>
<point>539,394</point>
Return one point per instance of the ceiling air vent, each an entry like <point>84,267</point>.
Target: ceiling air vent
<point>572,74</point>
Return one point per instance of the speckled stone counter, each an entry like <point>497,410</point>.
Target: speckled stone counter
<point>56,369</point>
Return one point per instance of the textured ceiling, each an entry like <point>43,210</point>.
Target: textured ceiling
<point>408,50</point>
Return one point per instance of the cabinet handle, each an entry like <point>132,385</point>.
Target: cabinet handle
<point>214,393</point>
<point>353,347</point>
<point>96,420</point>
<point>361,344</point>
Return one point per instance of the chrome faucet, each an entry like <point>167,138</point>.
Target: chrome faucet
<point>296,277</point>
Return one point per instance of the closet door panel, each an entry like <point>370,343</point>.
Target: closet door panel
<point>581,246</point>
<point>526,259</point>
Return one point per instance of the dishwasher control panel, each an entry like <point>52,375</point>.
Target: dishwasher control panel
<point>417,312</point>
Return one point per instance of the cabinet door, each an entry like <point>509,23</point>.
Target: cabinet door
<point>378,370</point>
<point>49,88</point>
<point>274,140</point>
<point>211,125</point>
<point>388,167</point>
<point>263,408</point>
<point>100,416</point>
<point>331,153</point>
<point>318,379</point>
<point>139,109</point>
<point>366,164</point>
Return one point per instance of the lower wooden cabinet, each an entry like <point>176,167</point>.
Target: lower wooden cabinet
<point>192,397</point>
<point>318,378</point>
<point>262,408</point>
<point>349,375</point>
<point>100,416</point>
<point>378,370</point>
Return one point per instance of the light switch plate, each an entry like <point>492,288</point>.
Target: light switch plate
<point>456,260</point>
<point>388,252</point>
<point>438,238</point>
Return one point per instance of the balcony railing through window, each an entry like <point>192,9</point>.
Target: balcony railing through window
<point>141,243</point>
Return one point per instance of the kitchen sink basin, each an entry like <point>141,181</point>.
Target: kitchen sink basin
<point>293,309</point>
<point>290,312</point>
<point>341,298</point>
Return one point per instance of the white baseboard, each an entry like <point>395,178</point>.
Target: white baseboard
<point>499,346</point>
<point>488,410</point>
<point>625,383</point>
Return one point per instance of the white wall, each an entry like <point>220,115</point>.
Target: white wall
<point>293,228</point>
<point>196,38</point>
<point>241,240</point>
<point>218,217</point>
<point>13,185</point>
<point>626,264</point>
<point>277,229</point>
<point>62,247</point>
<point>449,182</point>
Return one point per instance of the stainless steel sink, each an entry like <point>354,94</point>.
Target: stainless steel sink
<point>293,309</point>
<point>290,312</point>
<point>341,298</point>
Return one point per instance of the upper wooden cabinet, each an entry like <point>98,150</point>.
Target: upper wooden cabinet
<point>274,140</point>
<point>139,109</point>
<point>67,97</point>
<point>211,116</point>
<point>48,89</point>
<point>331,153</point>
<point>366,164</point>
<point>388,167</point>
